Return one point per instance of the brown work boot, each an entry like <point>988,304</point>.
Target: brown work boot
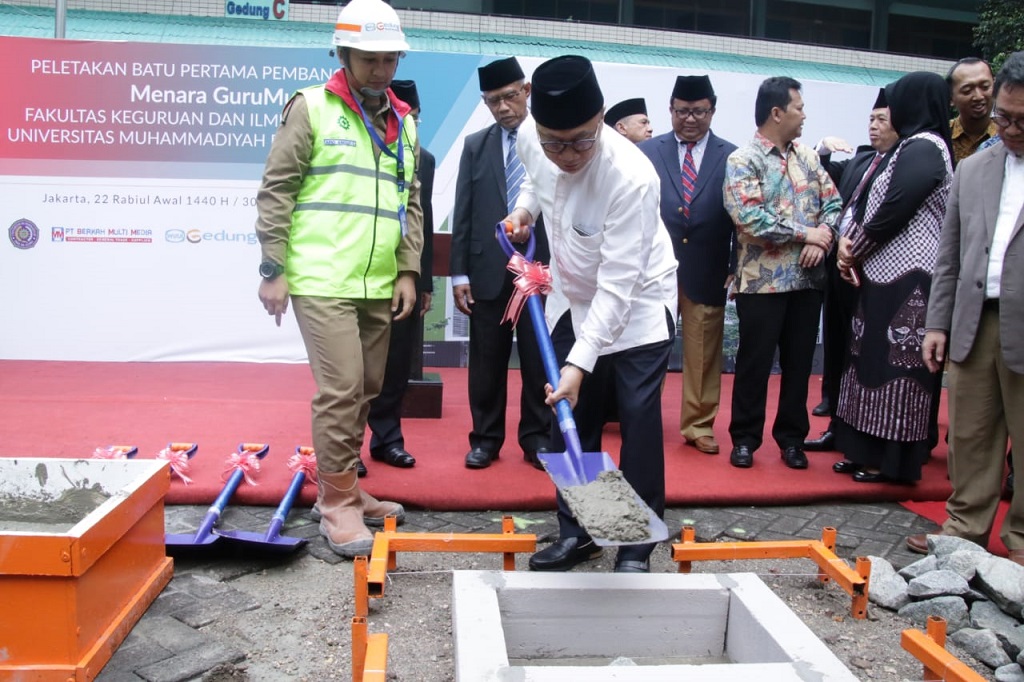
<point>375,510</point>
<point>341,514</point>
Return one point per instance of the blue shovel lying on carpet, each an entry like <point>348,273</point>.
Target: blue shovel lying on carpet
<point>590,483</point>
<point>204,535</point>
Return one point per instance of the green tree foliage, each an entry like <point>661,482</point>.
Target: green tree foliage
<point>1000,30</point>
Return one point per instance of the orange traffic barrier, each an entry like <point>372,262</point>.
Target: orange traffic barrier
<point>930,648</point>
<point>388,543</point>
<point>822,552</point>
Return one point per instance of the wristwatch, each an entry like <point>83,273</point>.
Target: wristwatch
<point>269,270</point>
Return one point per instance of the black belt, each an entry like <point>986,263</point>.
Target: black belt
<point>991,304</point>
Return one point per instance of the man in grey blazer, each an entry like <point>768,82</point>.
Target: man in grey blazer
<point>702,235</point>
<point>977,312</point>
<point>481,282</point>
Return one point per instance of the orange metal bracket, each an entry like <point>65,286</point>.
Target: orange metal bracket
<point>370,651</point>
<point>930,648</point>
<point>387,543</point>
<point>822,553</point>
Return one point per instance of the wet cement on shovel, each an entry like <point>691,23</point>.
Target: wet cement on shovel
<point>607,508</point>
<point>50,514</point>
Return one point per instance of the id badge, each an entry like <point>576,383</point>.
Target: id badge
<point>402,220</point>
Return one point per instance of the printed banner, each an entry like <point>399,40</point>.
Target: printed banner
<point>129,171</point>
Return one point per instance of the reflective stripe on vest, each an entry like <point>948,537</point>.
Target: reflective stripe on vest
<point>345,229</point>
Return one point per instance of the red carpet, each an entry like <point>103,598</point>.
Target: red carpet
<point>67,409</point>
<point>936,511</point>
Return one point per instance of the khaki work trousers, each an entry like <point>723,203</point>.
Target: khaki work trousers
<point>986,405</point>
<point>347,344</point>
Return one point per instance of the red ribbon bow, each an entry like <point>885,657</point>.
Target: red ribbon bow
<point>304,462</point>
<point>246,461</point>
<point>532,278</point>
<point>179,462</point>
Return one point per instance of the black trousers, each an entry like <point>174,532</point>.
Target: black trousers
<point>385,416</point>
<point>787,322</point>
<point>840,304</point>
<point>637,375</point>
<point>490,347</point>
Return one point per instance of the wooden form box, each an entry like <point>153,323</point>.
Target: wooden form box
<point>70,595</point>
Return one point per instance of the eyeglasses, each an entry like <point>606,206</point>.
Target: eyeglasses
<point>698,114</point>
<point>495,100</point>
<point>582,145</point>
<point>1005,122</point>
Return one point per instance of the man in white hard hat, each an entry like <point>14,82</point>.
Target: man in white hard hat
<point>341,229</point>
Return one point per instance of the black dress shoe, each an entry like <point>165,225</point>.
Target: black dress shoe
<point>870,477</point>
<point>826,442</point>
<point>632,566</point>
<point>360,467</point>
<point>794,457</point>
<point>533,459</point>
<point>845,467</point>
<point>478,458</point>
<point>741,457</point>
<point>395,456</point>
<point>564,554</point>
<point>822,409</point>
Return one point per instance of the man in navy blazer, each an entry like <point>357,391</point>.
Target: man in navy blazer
<point>690,161</point>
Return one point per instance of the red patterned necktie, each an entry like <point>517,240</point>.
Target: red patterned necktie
<point>689,177</point>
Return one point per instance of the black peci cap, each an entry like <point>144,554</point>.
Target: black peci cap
<point>693,88</point>
<point>627,107</point>
<point>565,93</point>
<point>499,74</point>
<point>880,102</point>
<point>406,91</point>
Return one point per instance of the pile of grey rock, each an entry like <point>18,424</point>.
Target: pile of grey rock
<point>980,595</point>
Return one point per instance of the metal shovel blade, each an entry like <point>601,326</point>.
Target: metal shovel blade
<point>262,542</point>
<point>562,470</point>
<point>271,542</point>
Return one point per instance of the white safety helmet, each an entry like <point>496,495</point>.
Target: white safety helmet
<point>371,26</point>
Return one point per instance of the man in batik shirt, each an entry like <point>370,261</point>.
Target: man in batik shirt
<point>786,209</point>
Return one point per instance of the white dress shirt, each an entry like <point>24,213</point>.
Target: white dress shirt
<point>697,152</point>
<point>1010,203</point>
<point>611,254</point>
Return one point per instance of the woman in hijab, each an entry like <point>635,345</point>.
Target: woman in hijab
<point>884,424</point>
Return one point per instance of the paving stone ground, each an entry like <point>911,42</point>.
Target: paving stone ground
<point>167,644</point>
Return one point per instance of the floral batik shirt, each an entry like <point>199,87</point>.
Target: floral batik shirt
<point>774,198</point>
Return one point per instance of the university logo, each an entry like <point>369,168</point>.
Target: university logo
<point>23,234</point>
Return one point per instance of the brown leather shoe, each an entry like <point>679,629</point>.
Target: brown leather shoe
<point>1017,556</point>
<point>705,444</point>
<point>919,543</point>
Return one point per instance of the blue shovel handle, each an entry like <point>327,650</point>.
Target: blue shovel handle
<point>215,510</point>
<point>277,522</point>
<point>566,422</point>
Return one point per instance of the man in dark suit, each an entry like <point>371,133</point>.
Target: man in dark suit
<point>976,313</point>
<point>488,183</point>
<point>852,177</point>
<point>387,444</point>
<point>691,165</point>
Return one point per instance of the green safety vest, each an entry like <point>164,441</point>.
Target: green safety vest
<point>345,227</point>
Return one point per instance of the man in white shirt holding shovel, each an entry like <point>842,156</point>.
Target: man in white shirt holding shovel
<point>612,261</point>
